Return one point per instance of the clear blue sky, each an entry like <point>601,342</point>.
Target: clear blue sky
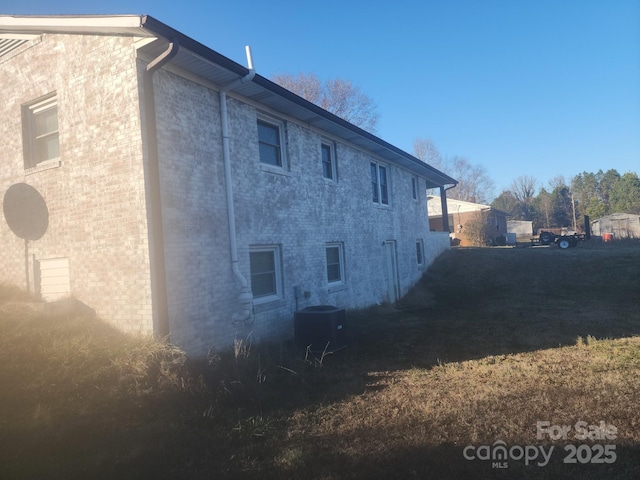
<point>541,88</point>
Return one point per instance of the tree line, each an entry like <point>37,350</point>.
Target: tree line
<point>565,203</point>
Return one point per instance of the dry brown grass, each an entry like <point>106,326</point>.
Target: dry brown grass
<point>491,342</point>
<point>72,385</point>
<point>475,402</point>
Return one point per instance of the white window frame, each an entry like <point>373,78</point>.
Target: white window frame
<point>377,186</point>
<point>332,160</point>
<point>420,252</point>
<point>30,113</point>
<point>340,247</point>
<point>276,251</point>
<point>280,125</point>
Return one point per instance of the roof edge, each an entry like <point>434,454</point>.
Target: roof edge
<point>70,23</point>
<point>147,26</point>
<point>166,31</point>
<point>289,95</point>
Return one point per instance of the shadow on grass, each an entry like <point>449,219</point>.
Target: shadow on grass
<point>474,303</point>
<point>471,304</point>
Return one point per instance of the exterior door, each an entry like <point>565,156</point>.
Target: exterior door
<point>393,284</point>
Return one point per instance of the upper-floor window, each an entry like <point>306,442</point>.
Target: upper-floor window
<point>40,131</point>
<point>271,142</point>
<point>379,184</point>
<point>414,187</point>
<point>328,161</point>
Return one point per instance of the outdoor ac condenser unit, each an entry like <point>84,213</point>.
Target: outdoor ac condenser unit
<point>320,327</point>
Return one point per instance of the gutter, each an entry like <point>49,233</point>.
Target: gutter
<point>340,127</point>
<point>159,276</point>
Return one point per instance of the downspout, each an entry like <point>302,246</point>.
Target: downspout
<point>245,298</point>
<point>445,210</point>
<point>161,326</point>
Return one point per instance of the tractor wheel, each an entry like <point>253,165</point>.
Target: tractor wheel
<point>546,238</point>
<point>564,243</point>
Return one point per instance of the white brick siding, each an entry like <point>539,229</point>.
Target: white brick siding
<point>294,207</point>
<point>98,196</point>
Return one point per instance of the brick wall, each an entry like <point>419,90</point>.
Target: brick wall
<point>294,208</point>
<point>97,200</point>
<point>96,196</point>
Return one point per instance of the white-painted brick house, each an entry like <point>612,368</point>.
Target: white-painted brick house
<point>186,195</point>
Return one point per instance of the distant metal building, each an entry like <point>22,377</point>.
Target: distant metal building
<point>621,225</point>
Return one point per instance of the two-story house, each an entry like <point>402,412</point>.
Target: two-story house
<point>179,193</point>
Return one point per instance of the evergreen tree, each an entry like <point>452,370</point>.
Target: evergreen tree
<point>625,194</point>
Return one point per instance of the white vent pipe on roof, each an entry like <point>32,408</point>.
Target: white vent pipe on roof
<point>245,297</point>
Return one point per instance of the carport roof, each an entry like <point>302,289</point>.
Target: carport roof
<point>208,64</point>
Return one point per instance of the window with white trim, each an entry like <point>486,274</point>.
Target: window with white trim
<point>420,251</point>
<point>379,184</point>
<point>266,272</point>
<point>328,160</point>
<point>271,141</point>
<point>335,263</point>
<point>40,131</point>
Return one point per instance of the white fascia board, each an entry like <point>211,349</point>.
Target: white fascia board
<point>105,24</point>
<point>18,36</point>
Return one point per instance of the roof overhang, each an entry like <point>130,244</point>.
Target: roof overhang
<point>79,24</point>
<point>208,64</point>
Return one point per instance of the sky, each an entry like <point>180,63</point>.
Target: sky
<point>541,88</point>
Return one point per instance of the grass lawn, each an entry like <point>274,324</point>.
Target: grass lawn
<point>490,343</point>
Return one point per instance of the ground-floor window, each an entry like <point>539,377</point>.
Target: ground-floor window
<point>335,263</point>
<point>266,272</point>
<point>420,251</point>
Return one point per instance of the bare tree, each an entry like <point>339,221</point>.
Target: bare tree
<point>426,150</point>
<point>337,96</point>
<point>524,188</point>
<point>307,85</point>
<point>557,181</point>
<point>477,230</point>
<point>474,185</point>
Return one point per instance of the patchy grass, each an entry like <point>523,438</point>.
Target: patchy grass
<point>490,342</point>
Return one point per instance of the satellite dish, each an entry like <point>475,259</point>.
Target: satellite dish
<point>25,211</point>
